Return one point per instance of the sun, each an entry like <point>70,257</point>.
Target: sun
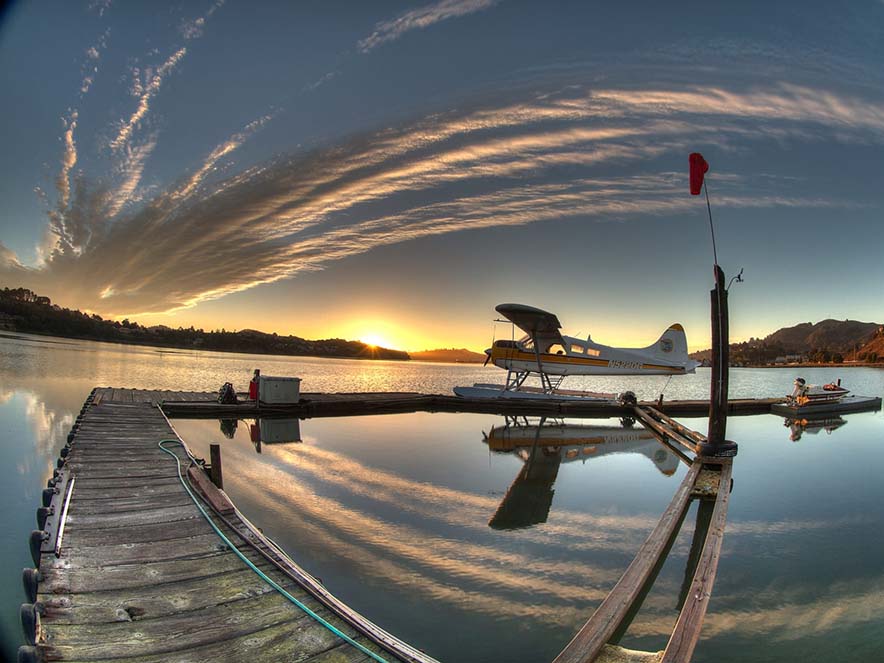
<point>375,340</point>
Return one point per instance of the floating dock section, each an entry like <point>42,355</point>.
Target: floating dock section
<point>846,404</point>
<point>205,405</point>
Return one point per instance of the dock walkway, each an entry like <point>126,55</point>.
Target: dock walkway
<point>142,576</point>
<point>127,567</point>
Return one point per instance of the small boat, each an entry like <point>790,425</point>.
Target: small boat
<point>810,400</point>
<point>810,394</point>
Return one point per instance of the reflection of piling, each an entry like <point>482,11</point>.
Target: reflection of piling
<point>716,444</point>
<point>698,540</point>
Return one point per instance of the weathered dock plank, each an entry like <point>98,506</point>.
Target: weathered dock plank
<point>140,574</point>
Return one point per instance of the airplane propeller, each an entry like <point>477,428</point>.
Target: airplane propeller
<point>487,358</point>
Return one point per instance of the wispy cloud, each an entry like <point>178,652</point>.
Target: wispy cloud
<point>420,18</point>
<point>593,154</point>
<point>68,159</point>
<point>90,66</point>
<point>192,29</point>
<point>222,150</point>
<point>8,258</point>
<point>100,6</point>
<point>130,170</point>
<point>148,91</point>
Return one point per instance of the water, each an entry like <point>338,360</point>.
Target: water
<point>393,512</point>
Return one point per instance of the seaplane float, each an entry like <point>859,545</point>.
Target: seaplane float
<point>545,352</point>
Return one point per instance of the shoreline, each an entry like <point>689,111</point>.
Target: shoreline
<point>14,333</point>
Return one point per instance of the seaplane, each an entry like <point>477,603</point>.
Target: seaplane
<point>545,352</point>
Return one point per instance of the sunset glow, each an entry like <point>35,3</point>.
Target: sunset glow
<point>377,341</point>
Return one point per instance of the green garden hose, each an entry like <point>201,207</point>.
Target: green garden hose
<point>268,580</point>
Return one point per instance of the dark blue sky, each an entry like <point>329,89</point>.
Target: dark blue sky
<point>394,170</point>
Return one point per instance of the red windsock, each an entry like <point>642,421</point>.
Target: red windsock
<point>699,167</point>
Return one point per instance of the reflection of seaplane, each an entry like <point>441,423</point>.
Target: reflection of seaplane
<point>545,352</point>
<point>579,441</point>
<point>545,446</point>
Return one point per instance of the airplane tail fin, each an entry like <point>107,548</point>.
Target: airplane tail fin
<point>672,346</point>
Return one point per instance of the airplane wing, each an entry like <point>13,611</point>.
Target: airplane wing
<point>542,326</point>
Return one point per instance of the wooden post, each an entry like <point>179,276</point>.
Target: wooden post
<point>215,467</point>
<point>716,444</point>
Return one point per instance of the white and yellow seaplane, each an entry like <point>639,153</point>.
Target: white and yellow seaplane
<point>551,356</point>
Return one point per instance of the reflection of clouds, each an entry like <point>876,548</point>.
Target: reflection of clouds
<point>574,531</point>
<point>546,157</point>
<point>479,576</point>
<point>386,570</point>
<point>621,532</point>
<point>481,564</point>
<point>50,427</point>
<point>840,606</point>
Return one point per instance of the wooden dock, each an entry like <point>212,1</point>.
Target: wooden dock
<point>128,568</point>
<point>200,405</point>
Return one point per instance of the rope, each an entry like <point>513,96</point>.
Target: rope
<point>250,564</point>
<point>711,227</point>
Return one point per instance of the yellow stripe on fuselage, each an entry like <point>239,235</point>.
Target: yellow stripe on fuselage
<point>517,355</point>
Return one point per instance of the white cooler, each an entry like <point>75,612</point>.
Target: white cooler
<point>278,391</point>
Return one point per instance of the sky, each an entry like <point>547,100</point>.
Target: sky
<point>391,171</point>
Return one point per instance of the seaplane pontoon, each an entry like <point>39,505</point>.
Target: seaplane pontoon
<point>544,351</point>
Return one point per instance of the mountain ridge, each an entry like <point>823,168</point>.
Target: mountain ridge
<point>826,340</point>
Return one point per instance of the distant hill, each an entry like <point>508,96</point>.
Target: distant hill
<point>873,351</point>
<point>827,340</point>
<point>451,355</point>
<point>25,311</point>
<point>832,335</point>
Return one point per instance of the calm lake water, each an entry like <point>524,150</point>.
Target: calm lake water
<point>441,524</point>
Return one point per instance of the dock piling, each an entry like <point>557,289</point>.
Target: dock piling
<point>215,467</point>
<point>716,445</point>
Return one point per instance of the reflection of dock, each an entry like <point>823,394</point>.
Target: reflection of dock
<point>127,567</point>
